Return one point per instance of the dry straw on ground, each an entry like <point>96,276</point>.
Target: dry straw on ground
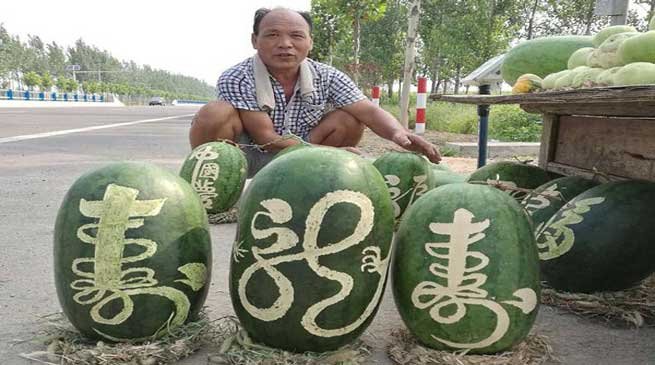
<point>223,338</point>
<point>631,307</point>
<point>66,346</point>
<point>405,350</point>
<point>239,349</point>
<point>231,216</point>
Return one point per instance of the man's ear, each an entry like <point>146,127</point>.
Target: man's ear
<point>311,43</point>
<point>253,40</point>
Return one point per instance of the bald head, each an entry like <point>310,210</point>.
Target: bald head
<point>262,12</point>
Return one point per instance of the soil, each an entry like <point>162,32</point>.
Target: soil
<point>373,146</point>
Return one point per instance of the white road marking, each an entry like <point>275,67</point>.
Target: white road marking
<point>78,130</point>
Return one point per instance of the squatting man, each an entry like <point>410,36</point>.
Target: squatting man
<point>280,91</point>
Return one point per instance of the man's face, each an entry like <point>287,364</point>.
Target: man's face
<point>283,41</point>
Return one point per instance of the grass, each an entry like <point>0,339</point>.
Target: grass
<point>507,123</point>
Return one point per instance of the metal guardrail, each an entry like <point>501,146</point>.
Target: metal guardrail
<point>23,95</point>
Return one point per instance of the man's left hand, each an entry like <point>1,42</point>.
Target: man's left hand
<point>416,143</point>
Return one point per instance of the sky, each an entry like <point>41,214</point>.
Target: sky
<point>192,37</point>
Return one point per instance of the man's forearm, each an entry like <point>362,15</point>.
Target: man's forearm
<point>382,123</point>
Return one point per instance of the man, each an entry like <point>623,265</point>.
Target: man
<point>280,92</point>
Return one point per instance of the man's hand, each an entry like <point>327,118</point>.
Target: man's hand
<point>416,143</point>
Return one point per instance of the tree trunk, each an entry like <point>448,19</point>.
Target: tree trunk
<point>445,86</point>
<point>467,89</point>
<point>458,75</point>
<point>532,15</point>
<point>435,74</point>
<point>356,34</point>
<point>390,89</point>
<point>410,55</point>
<point>590,17</point>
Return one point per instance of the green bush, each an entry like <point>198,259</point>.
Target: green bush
<point>506,122</point>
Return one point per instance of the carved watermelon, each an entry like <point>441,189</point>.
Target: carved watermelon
<point>132,252</point>
<point>544,201</point>
<point>465,271</point>
<point>601,240</point>
<point>510,175</point>
<point>310,259</point>
<point>217,172</point>
<point>440,178</point>
<point>408,176</point>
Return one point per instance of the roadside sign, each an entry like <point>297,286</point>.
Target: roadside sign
<point>72,67</point>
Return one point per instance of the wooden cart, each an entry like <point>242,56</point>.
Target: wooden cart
<point>609,130</point>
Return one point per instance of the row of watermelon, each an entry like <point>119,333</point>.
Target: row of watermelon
<point>313,247</point>
<point>615,56</point>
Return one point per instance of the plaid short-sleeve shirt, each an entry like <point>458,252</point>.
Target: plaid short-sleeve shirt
<point>332,89</point>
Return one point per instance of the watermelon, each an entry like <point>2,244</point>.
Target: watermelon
<point>549,81</point>
<point>511,175</point>
<point>132,252</point>
<point>609,55</point>
<point>544,201</point>
<point>293,148</point>
<point>604,34</point>
<point>579,57</point>
<point>541,56</point>
<point>441,166</point>
<point>310,259</point>
<point>566,78</point>
<point>440,178</point>
<point>637,73</point>
<point>217,172</point>
<point>606,78</point>
<point>408,176</point>
<point>465,271</point>
<point>640,48</point>
<point>586,77</point>
<point>601,240</point>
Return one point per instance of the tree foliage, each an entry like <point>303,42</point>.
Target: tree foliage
<point>48,62</point>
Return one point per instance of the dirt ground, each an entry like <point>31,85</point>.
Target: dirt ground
<point>373,146</point>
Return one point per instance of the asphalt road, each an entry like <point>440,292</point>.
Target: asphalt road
<point>43,151</point>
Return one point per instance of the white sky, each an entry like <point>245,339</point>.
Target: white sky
<point>191,37</point>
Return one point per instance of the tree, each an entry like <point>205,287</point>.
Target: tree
<point>382,45</point>
<point>46,81</point>
<point>31,79</point>
<point>410,53</point>
<point>355,13</point>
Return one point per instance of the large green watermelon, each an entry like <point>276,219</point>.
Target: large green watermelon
<point>640,48</point>
<point>217,172</point>
<point>310,259</point>
<point>408,176</point>
<point>544,201</point>
<point>509,175</point>
<point>541,56</point>
<point>132,252</point>
<point>465,270</point>
<point>601,240</point>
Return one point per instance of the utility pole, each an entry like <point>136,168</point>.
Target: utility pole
<point>617,10</point>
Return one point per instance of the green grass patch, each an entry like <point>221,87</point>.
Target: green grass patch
<point>507,123</point>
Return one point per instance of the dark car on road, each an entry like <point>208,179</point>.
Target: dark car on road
<point>157,100</point>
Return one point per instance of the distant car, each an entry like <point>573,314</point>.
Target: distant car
<point>157,100</point>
